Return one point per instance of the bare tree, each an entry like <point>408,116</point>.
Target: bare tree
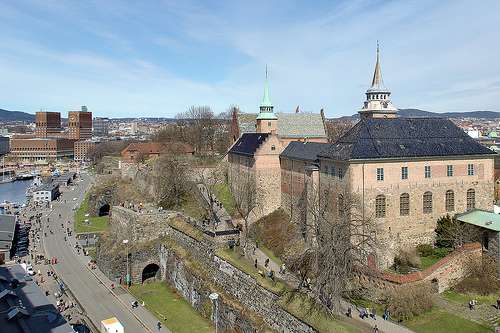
<point>341,240</point>
<point>207,179</point>
<point>171,176</point>
<point>246,201</point>
<point>200,125</point>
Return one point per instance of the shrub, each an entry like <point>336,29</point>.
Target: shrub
<point>405,302</point>
<point>406,260</point>
<point>441,252</point>
<point>425,250</point>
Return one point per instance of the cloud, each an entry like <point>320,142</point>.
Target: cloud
<point>156,59</point>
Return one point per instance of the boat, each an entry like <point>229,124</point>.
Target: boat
<point>37,182</point>
<point>8,179</point>
<point>4,180</point>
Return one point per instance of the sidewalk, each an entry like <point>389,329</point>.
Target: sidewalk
<point>146,318</point>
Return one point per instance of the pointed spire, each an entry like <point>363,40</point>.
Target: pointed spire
<point>377,74</point>
<point>266,100</point>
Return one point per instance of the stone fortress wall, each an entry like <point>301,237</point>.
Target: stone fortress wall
<point>243,302</point>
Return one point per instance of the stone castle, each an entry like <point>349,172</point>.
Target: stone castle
<point>407,172</point>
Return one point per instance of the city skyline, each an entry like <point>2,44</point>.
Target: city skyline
<point>157,59</point>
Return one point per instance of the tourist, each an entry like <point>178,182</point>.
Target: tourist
<point>266,263</point>
<point>375,329</point>
<point>373,314</point>
<point>386,314</point>
<point>498,304</point>
<point>158,325</point>
<point>255,263</point>
<point>362,313</point>
<point>471,305</point>
<point>349,312</point>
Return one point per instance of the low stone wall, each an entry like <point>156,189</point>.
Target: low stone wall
<point>442,275</point>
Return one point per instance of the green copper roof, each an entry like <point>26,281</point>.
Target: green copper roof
<point>266,115</point>
<point>266,100</point>
<point>481,218</point>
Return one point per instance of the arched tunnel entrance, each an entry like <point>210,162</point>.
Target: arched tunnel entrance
<point>104,210</point>
<point>151,271</point>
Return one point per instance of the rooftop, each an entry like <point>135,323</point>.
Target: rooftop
<point>27,307</point>
<point>376,138</point>
<point>248,143</point>
<point>290,125</point>
<point>481,218</point>
<point>305,151</point>
<point>7,227</point>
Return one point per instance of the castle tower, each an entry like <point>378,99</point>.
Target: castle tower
<point>266,120</point>
<point>378,103</point>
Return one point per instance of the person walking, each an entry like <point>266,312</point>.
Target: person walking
<point>158,325</point>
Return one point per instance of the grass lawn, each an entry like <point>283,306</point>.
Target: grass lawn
<point>95,224</point>
<point>191,207</point>
<point>224,195</point>
<point>462,298</point>
<point>440,321</point>
<point>270,254</point>
<point>428,261</point>
<point>248,267</point>
<point>185,227</point>
<point>92,252</point>
<point>163,302</point>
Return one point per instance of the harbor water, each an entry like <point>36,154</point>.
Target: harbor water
<point>14,191</point>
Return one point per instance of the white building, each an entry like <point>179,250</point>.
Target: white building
<point>46,193</point>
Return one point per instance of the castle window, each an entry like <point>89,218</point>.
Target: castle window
<point>427,171</point>
<point>427,203</point>
<point>404,204</point>
<point>332,171</point>
<point>340,172</point>
<point>269,124</point>
<point>404,172</point>
<point>450,201</point>
<point>471,199</point>
<point>380,206</point>
<point>470,169</point>
<point>380,174</point>
<point>273,147</point>
<point>449,170</point>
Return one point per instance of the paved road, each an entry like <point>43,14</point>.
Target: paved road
<point>97,300</point>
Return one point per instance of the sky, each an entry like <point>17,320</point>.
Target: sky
<point>156,58</point>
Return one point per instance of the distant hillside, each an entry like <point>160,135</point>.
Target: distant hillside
<point>416,113</point>
<point>6,115</point>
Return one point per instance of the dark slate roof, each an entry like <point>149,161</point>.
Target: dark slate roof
<point>305,151</point>
<point>248,143</point>
<point>7,227</point>
<point>290,125</point>
<point>403,138</point>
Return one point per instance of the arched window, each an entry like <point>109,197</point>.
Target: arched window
<point>450,201</point>
<point>404,204</point>
<point>427,203</point>
<point>380,206</point>
<point>471,199</point>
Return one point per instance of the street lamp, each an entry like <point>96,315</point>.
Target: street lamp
<point>214,297</point>
<point>127,275</point>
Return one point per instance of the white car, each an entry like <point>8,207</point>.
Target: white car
<point>74,199</point>
<point>30,271</point>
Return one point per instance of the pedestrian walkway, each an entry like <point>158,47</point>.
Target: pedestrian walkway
<point>481,313</point>
<point>146,318</point>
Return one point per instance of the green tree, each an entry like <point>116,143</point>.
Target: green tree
<point>452,233</point>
